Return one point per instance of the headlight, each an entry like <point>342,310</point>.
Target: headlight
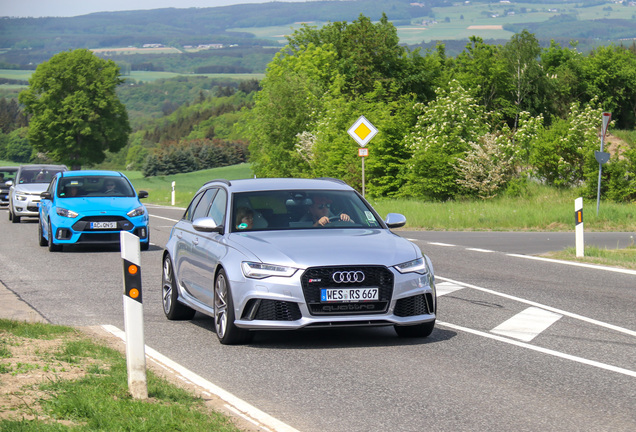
<point>21,197</point>
<point>261,271</point>
<point>66,213</point>
<point>415,266</point>
<point>136,212</point>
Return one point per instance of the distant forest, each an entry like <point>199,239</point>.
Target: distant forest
<point>26,42</point>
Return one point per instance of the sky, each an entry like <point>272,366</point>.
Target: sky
<point>68,8</point>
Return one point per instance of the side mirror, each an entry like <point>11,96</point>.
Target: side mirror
<point>207,224</point>
<point>45,195</point>
<point>142,194</point>
<point>395,220</point>
<point>8,183</point>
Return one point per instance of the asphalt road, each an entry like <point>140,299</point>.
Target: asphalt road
<point>571,366</point>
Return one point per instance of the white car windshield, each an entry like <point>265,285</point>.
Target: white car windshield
<point>300,209</point>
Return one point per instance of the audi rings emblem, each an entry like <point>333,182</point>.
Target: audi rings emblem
<point>348,276</point>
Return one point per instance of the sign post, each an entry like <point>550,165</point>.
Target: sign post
<point>578,226</point>
<point>173,183</point>
<point>602,157</point>
<point>134,316</point>
<point>362,131</point>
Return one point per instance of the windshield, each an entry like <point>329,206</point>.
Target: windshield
<point>38,175</point>
<point>300,209</point>
<point>6,175</point>
<point>93,186</point>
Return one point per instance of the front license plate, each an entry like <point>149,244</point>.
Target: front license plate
<point>103,225</point>
<point>348,294</point>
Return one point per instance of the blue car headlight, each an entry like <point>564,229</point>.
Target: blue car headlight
<point>66,213</point>
<point>415,266</point>
<point>254,270</point>
<point>139,211</point>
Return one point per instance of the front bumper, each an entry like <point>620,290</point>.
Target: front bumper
<point>277,303</point>
<point>27,207</point>
<point>80,230</point>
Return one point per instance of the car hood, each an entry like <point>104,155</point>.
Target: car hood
<point>33,188</point>
<point>98,205</point>
<point>329,247</point>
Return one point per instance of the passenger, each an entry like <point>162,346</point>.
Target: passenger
<point>110,187</point>
<point>320,212</point>
<point>244,218</point>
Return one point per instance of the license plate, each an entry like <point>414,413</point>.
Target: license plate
<point>348,294</point>
<point>103,225</point>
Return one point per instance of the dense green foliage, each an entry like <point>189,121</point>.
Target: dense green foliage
<point>478,124</point>
<point>469,126</point>
<point>76,115</point>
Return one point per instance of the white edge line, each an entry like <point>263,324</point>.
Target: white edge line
<point>479,250</point>
<point>161,217</point>
<point>576,264</point>
<point>239,404</point>
<point>542,306</point>
<point>440,244</point>
<point>541,350</point>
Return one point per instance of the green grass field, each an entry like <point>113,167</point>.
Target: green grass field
<point>24,75</point>
<point>539,209</point>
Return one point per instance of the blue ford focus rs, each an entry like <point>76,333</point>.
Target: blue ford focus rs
<point>91,207</point>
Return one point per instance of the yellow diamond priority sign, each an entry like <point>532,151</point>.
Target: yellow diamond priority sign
<point>362,131</point>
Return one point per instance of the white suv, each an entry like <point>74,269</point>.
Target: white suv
<point>24,192</point>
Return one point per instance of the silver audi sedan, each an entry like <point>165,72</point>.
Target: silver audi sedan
<point>286,254</point>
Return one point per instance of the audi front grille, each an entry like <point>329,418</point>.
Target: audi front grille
<point>314,279</point>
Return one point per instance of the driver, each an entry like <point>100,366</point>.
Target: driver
<point>320,212</point>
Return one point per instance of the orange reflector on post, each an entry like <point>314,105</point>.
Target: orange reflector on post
<point>134,293</point>
<point>578,217</point>
<point>133,269</point>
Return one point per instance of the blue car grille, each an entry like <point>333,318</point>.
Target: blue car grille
<point>316,278</point>
<point>84,224</point>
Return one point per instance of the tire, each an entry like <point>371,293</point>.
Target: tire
<point>13,218</point>
<point>52,246</point>
<point>173,309</point>
<point>226,331</point>
<point>415,331</point>
<point>41,240</point>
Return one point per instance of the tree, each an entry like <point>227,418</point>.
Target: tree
<point>76,114</point>
<point>529,83</point>
<point>610,76</point>
<point>482,68</point>
<point>444,132</point>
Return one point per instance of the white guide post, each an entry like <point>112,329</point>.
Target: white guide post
<point>173,183</point>
<point>134,316</point>
<point>578,223</point>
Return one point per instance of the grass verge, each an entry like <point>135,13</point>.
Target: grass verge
<point>56,378</point>
<point>624,258</point>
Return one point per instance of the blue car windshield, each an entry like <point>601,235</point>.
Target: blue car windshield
<point>300,209</point>
<point>94,186</point>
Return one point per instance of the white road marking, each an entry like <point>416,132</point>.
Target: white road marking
<point>441,244</point>
<point>576,264</point>
<point>446,288</point>
<point>247,411</point>
<point>528,324</point>
<point>541,350</point>
<point>479,250</point>
<point>161,217</point>
<point>542,306</point>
